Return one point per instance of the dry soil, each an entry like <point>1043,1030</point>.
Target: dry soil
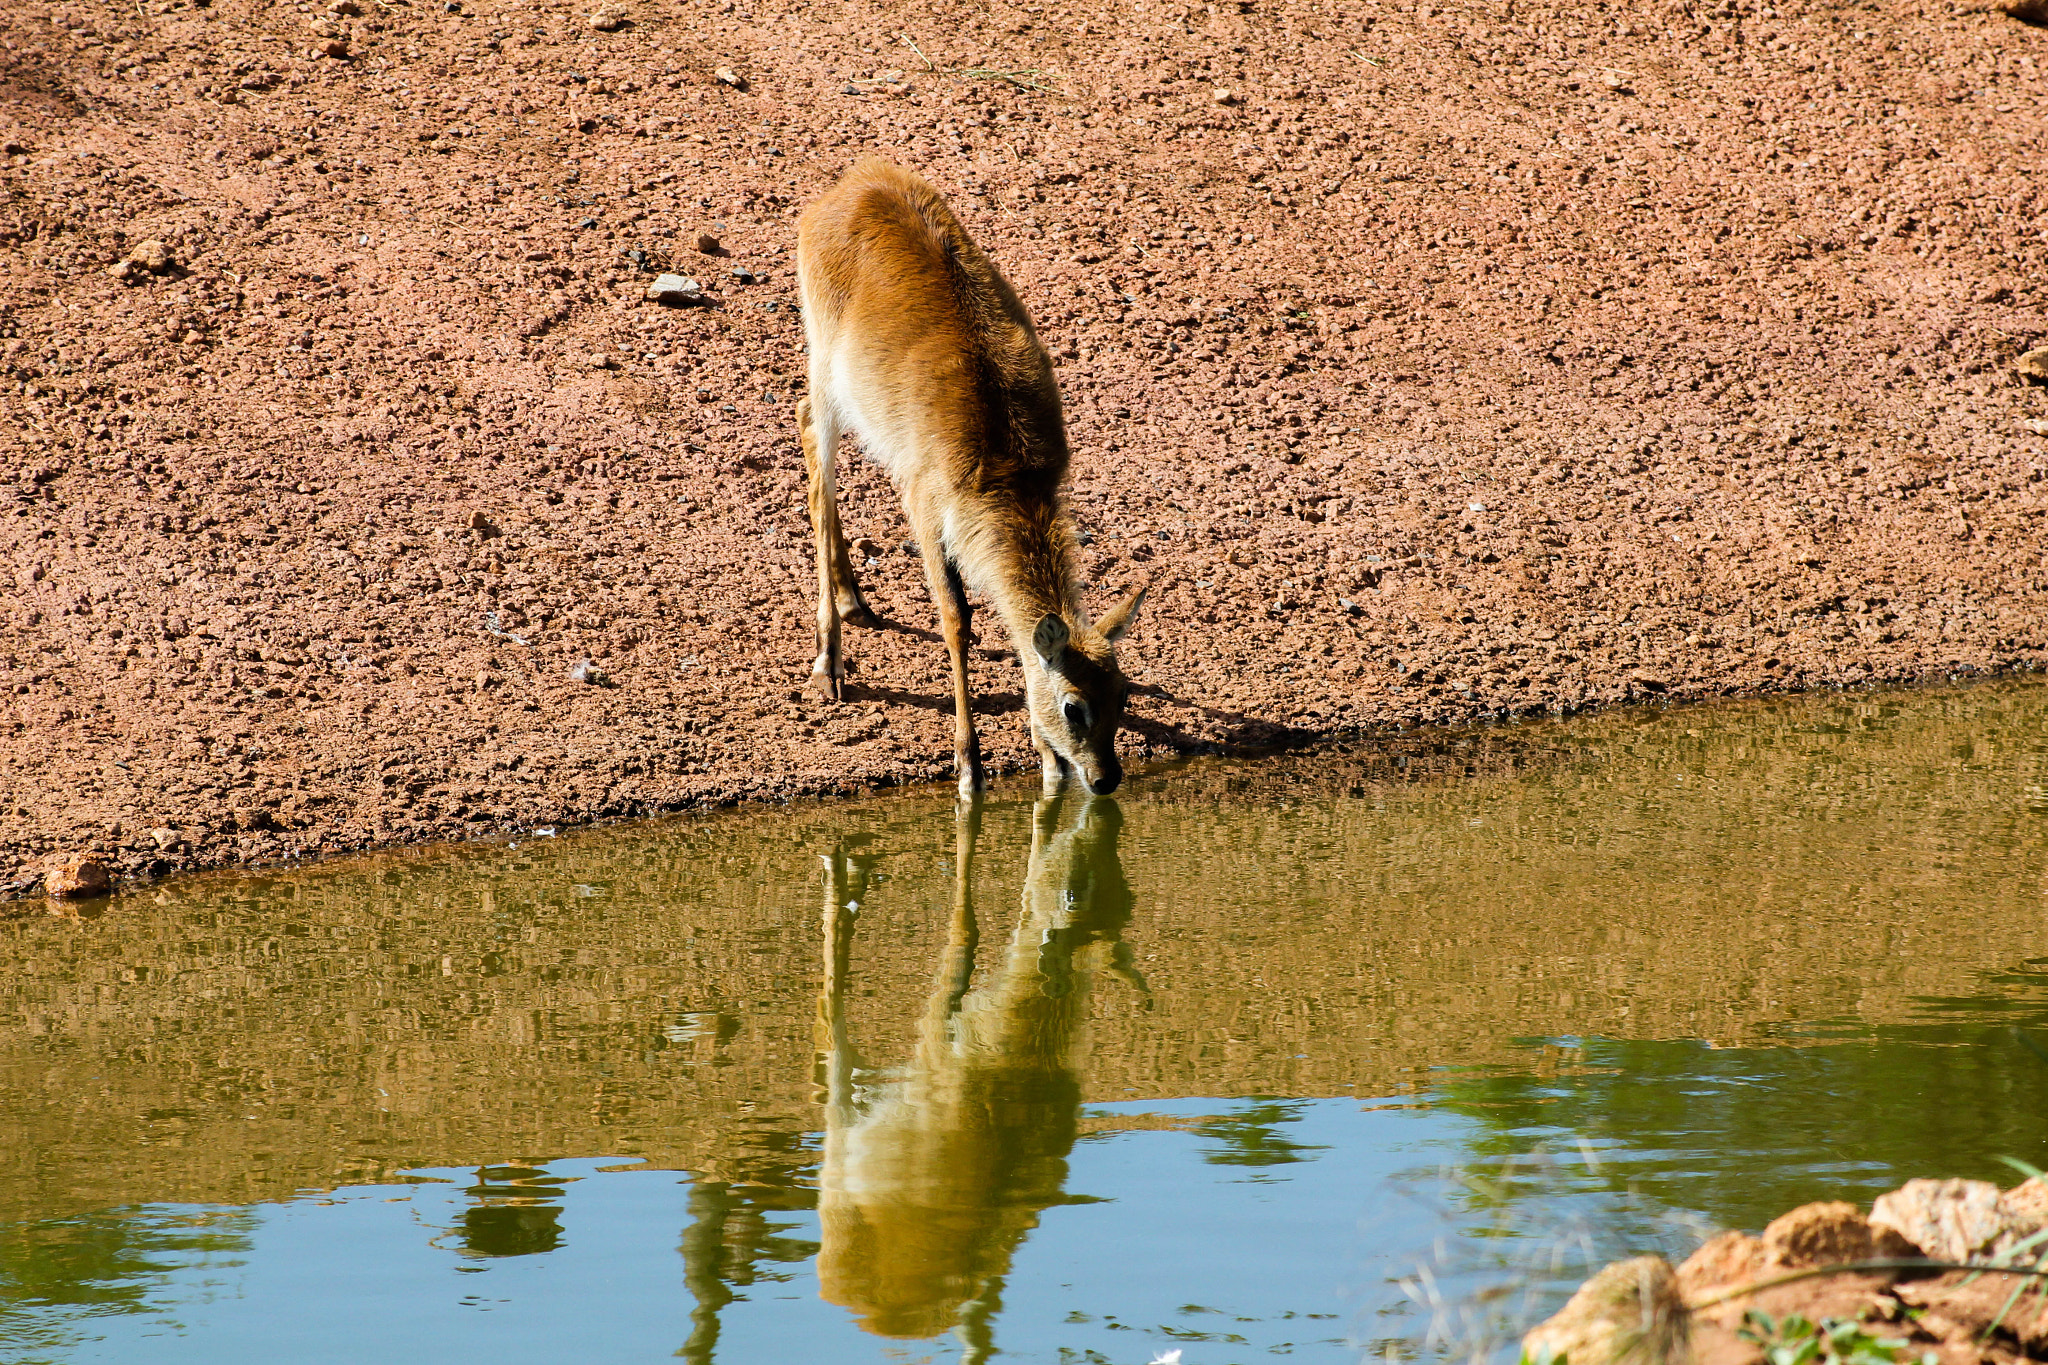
<point>1432,361</point>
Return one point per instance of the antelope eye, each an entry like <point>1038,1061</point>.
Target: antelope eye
<point>1076,713</point>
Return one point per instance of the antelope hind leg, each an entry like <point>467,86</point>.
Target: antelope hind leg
<point>828,671</point>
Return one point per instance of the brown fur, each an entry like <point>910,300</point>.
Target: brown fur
<point>920,347</point>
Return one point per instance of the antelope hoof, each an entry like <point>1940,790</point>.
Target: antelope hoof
<point>827,681</point>
<point>973,780</point>
<point>862,615</point>
<point>1052,774</point>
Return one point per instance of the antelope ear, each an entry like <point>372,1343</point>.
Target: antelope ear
<point>1117,620</point>
<point>1050,639</point>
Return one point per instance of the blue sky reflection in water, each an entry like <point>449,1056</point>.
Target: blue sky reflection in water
<point>1214,1066</point>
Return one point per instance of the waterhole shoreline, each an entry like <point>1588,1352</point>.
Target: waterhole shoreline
<point>1496,738</point>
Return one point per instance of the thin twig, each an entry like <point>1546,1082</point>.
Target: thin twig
<point>1856,1267</point>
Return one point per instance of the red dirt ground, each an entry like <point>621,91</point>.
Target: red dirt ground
<point>1433,361</point>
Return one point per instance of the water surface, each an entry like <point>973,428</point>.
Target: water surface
<point>1271,1060</point>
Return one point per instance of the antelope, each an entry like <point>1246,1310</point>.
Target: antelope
<point>919,346</point>
<point>934,1173</point>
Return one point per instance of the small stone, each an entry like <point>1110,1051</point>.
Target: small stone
<point>1722,1262</point>
<point>675,289</point>
<point>345,9</point>
<point>1953,1220</point>
<point>1817,1234</point>
<point>725,75</point>
<point>707,244</point>
<point>76,879</point>
<point>152,256</point>
<point>1630,1311</point>
<point>1224,96</point>
<point>2029,1199</point>
<point>2033,12</point>
<point>2034,364</point>
<point>335,47</point>
<point>743,275</point>
<point>610,19</point>
<point>2037,425</point>
<point>584,671</point>
<point>587,223</point>
<point>1655,682</point>
<point>163,836</point>
<point>483,526</point>
<point>598,361</point>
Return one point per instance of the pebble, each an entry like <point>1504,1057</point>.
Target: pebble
<point>675,289</point>
<point>725,75</point>
<point>1224,96</point>
<point>707,244</point>
<point>335,47</point>
<point>2034,364</point>
<point>610,19</point>
<point>744,275</point>
<point>155,257</point>
<point>77,879</point>
<point>598,362</point>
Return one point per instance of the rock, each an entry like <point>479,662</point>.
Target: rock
<point>164,837</point>
<point>2037,425</point>
<point>76,879</point>
<point>483,526</point>
<point>743,275</point>
<point>1628,1314</point>
<point>1955,1220</point>
<point>725,75</point>
<point>2034,364</point>
<point>1722,1262</point>
<point>149,257</point>
<point>345,9</point>
<point>2033,12</point>
<point>334,47</point>
<point>610,19</point>
<point>675,289</point>
<point>1224,96</point>
<point>2028,1200</point>
<point>1655,682</point>
<point>1817,1234</point>
<point>598,362</point>
<point>707,244</point>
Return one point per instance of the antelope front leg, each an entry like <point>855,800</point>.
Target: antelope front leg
<point>828,673</point>
<point>1052,769</point>
<point>950,595</point>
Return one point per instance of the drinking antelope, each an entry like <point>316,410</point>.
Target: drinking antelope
<point>919,346</point>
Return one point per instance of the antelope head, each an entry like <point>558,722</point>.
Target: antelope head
<point>1077,696</point>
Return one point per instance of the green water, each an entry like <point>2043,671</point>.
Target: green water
<point>1310,1058</point>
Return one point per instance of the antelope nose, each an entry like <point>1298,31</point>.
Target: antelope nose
<point>1108,780</point>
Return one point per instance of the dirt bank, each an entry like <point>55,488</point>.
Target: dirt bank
<point>1433,361</point>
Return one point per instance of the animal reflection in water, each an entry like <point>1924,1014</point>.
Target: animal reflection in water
<point>934,1173</point>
